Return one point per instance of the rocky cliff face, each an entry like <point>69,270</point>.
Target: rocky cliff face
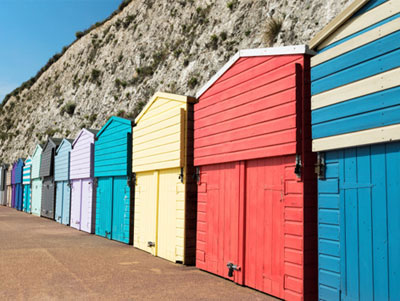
<point>149,46</point>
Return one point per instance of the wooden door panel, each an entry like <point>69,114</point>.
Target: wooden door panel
<point>219,209</point>
<point>266,190</point>
<point>167,228</point>
<point>145,210</point>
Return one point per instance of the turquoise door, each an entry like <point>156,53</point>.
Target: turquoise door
<point>36,201</point>
<point>104,206</point>
<point>121,210</point>
<point>66,203</point>
<point>63,202</point>
<point>113,205</point>
<point>359,224</point>
<point>27,198</point>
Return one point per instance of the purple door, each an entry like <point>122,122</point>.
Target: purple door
<point>87,206</point>
<point>13,196</point>
<point>76,193</point>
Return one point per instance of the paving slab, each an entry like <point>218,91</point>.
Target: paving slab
<point>44,260</point>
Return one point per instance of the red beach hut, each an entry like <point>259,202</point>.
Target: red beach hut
<point>255,172</point>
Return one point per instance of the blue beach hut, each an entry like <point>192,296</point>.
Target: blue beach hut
<point>19,165</point>
<point>355,83</point>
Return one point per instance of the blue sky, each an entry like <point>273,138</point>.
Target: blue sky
<point>32,31</point>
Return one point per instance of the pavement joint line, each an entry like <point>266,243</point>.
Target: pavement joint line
<point>69,271</point>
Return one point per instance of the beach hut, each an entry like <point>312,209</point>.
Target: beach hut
<point>113,172</point>
<point>61,178</point>
<point>355,85</point>
<point>36,180</point>
<point>19,165</point>
<point>165,191</point>
<point>13,191</point>
<point>3,186</point>
<point>8,184</point>
<point>256,220</point>
<point>83,196</point>
<point>47,174</point>
<point>26,185</point>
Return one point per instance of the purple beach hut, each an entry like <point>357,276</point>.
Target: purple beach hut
<point>83,190</point>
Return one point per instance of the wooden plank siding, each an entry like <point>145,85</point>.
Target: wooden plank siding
<point>228,128</point>
<point>112,151</point>
<point>26,176</point>
<point>358,41</point>
<point>152,146</point>
<point>36,161</point>
<point>61,161</point>
<point>18,171</point>
<point>48,154</point>
<point>356,85</point>
<point>360,23</point>
<point>82,155</point>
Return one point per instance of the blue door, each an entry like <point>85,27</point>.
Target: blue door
<point>27,198</point>
<point>121,210</point>
<point>104,206</point>
<point>59,201</point>
<point>66,208</point>
<point>359,224</point>
<point>18,197</point>
<point>63,202</point>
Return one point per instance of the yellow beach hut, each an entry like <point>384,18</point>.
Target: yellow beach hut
<point>165,190</point>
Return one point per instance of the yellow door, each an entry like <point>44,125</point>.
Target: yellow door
<point>171,214</point>
<point>146,211</point>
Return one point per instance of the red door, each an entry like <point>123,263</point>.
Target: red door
<point>250,214</point>
<point>264,267</point>
<point>218,219</point>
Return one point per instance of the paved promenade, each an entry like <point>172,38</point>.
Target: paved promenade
<point>43,260</point>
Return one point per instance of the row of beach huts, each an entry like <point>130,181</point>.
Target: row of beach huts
<point>282,174</point>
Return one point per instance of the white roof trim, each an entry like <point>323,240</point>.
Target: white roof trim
<point>285,50</point>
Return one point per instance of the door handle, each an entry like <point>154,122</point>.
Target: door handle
<point>232,267</point>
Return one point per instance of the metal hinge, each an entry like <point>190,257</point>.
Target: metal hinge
<point>180,177</point>
<point>297,169</point>
<point>196,175</point>
<point>320,166</point>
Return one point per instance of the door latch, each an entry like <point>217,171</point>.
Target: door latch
<point>320,166</point>
<point>181,175</point>
<point>232,267</point>
<point>151,244</point>
<point>107,234</point>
